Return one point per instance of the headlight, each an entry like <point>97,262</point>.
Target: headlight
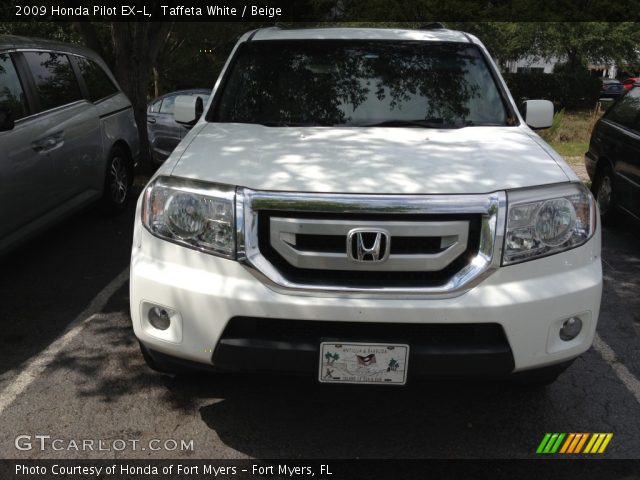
<point>547,220</point>
<point>193,214</point>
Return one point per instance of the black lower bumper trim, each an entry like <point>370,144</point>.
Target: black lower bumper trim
<point>293,346</point>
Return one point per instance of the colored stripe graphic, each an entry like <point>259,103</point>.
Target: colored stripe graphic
<point>543,443</point>
<point>550,443</point>
<point>581,443</point>
<point>574,443</point>
<point>567,443</point>
<point>605,443</point>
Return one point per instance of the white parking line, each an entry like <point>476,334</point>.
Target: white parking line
<point>622,372</point>
<point>38,364</point>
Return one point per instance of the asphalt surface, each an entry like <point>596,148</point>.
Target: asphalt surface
<point>98,387</point>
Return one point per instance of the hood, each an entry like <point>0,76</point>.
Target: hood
<point>368,160</point>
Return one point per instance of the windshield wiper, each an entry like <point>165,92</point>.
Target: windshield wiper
<point>428,123</point>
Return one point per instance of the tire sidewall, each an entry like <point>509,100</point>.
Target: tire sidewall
<point>109,200</point>
<point>608,216</point>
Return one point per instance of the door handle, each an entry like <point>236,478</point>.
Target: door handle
<point>48,143</point>
<point>151,120</point>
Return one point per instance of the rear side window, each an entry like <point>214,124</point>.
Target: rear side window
<point>54,78</point>
<point>98,82</point>
<point>155,106</point>
<point>168,104</point>
<point>627,111</point>
<point>11,93</point>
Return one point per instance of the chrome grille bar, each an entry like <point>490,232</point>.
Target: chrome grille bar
<point>491,207</point>
<point>284,231</point>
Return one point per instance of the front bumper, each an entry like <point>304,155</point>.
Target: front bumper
<point>528,301</point>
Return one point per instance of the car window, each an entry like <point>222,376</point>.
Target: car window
<point>54,78</point>
<point>168,104</point>
<point>11,93</point>
<point>155,106</point>
<point>98,82</point>
<point>626,111</point>
<point>359,83</point>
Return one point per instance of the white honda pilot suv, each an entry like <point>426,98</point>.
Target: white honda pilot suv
<point>365,206</point>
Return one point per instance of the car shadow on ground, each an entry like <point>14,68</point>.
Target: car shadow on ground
<point>271,417</point>
<point>51,279</point>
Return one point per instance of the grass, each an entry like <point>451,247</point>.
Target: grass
<point>571,132</point>
<point>569,135</point>
<point>570,149</point>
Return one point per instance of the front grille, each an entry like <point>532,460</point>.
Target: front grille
<point>438,246</point>
<point>399,246</point>
<point>356,276</point>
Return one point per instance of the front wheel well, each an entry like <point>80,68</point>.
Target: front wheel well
<point>602,163</point>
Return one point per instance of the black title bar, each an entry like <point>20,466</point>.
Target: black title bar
<point>321,10</point>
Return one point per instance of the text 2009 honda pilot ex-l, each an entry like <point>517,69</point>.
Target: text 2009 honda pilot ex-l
<point>365,206</point>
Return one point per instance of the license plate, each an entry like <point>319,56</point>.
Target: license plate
<point>368,363</point>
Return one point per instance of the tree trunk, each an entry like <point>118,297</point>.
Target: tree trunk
<point>136,46</point>
<point>156,81</point>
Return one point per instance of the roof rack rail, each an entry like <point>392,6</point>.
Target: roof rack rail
<point>432,26</point>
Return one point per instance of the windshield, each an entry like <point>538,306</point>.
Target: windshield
<point>364,83</point>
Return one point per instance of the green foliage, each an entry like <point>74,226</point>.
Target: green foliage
<point>550,133</point>
<point>573,90</point>
<point>589,42</point>
<point>60,31</point>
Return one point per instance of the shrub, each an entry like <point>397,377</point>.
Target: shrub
<point>572,90</point>
<point>551,133</point>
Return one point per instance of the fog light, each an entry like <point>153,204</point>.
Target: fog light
<point>570,329</point>
<point>160,318</point>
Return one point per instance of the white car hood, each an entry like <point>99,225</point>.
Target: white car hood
<point>369,160</point>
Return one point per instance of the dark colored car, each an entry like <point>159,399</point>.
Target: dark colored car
<point>613,159</point>
<point>611,88</point>
<point>628,83</point>
<point>164,132</point>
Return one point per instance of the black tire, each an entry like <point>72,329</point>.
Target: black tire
<point>603,190</point>
<point>540,377</point>
<point>117,182</point>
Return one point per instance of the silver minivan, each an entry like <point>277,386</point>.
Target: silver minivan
<point>68,137</point>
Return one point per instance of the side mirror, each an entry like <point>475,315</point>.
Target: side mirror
<point>538,113</point>
<point>6,119</point>
<point>187,109</point>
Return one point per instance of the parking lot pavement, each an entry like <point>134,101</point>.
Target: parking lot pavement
<point>48,282</point>
<point>95,385</point>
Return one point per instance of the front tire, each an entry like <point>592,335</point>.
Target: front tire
<point>603,191</point>
<point>117,182</point>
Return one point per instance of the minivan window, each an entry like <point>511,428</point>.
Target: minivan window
<point>360,83</point>
<point>11,93</point>
<point>626,111</point>
<point>168,104</point>
<point>155,106</point>
<point>98,82</point>
<point>54,78</point>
